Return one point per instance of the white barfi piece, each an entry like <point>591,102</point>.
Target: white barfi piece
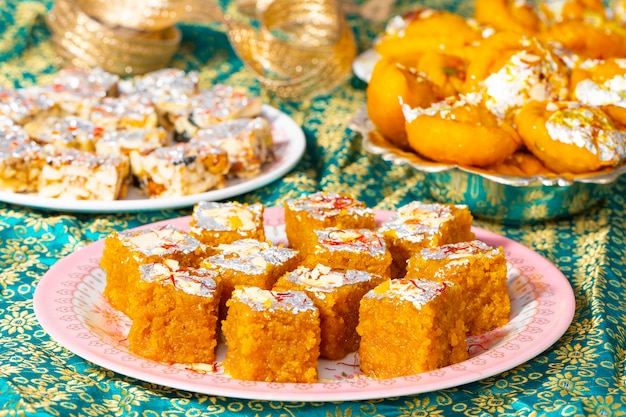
<point>68,132</point>
<point>7,124</point>
<point>163,82</point>
<point>216,105</point>
<point>78,175</point>
<point>181,169</point>
<point>169,89</point>
<point>95,81</point>
<point>21,160</point>
<point>123,142</point>
<point>69,101</point>
<point>135,112</point>
<point>23,105</point>
<point>247,142</point>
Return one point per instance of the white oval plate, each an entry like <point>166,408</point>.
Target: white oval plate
<point>289,145</point>
<point>68,303</point>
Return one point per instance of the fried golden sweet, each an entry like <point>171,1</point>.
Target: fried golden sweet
<point>425,30</point>
<point>617,114</point>
<point>602,83</point>
<point>445,72</point>
<point>460,131</point>
<point>389,83</point>
<point>595,39</point>
<point>508,15</point>
<point>558,10</point>
<point>509,69</point>
<point>569,137</point>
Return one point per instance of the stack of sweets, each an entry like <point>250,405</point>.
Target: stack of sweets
<point>249,262</point>
<point>419,225</point>
<point>316,211</point>
<point>124,252</point>
<point>126,130</point>
<point>332,293</point>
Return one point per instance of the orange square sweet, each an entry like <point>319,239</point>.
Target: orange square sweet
<point>213,222</point>
<point>307,213</point>
<point>272,336</point>
<point>480,270</point>
<point>124,251</point>
<point>174,313</point>
<point>420,225</point>
<point>249,262</point>
<point>361,249</point>
<point>409,326</point>
<point>337,294</point>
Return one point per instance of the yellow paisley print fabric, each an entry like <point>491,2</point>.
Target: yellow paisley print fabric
<point>581,374</point>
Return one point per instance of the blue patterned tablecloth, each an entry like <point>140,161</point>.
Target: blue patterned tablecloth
<point>583,373</point>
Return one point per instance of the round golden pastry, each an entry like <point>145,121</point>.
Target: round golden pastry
<point>595,39</point>
<point>390,83</point>
<point>509,69</point>
<point>569,137</point>
<point>446,72</point>
<point>508,15</point>
<point>422,30</point>
<point>552,11</point>
<point>602,83</point>
<point>460,131</point>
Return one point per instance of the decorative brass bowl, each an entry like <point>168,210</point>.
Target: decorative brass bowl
<point>299,49</point>
<point>83,41</point>
<point>503,198</point>
<point>145,15</point>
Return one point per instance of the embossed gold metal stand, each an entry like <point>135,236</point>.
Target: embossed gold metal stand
<point>302,48</point>
<point>82,40</point>
<point>297,48</point>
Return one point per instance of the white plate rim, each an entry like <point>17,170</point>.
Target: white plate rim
<point>554,308</point>
<point>290,144</point>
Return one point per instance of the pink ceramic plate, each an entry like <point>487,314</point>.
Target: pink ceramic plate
<point>69,305</point>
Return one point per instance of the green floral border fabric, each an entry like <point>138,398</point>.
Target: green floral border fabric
<point>582,374</point>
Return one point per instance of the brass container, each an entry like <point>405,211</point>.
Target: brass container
<point>83,41</point>
<point>501,198</point>
<point>301,47</point>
